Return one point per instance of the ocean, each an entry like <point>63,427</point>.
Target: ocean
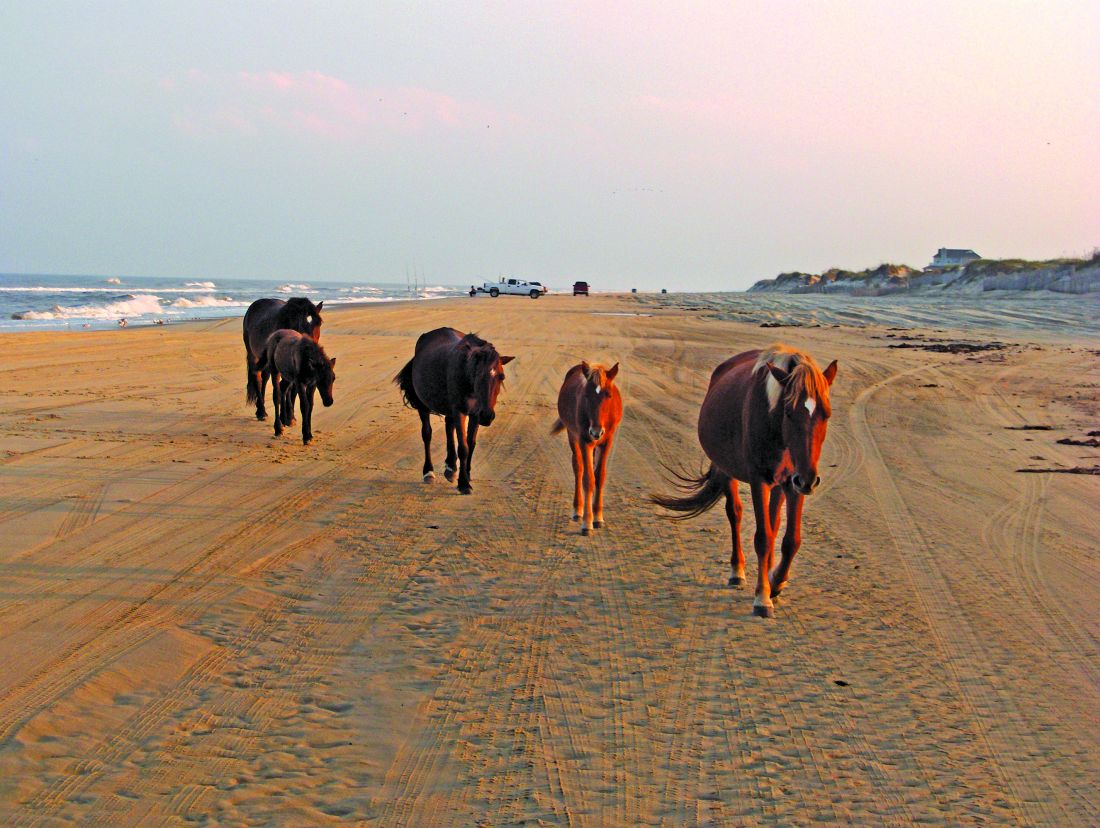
<point>36,302</point>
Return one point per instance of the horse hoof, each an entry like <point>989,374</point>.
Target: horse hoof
<point>761,611</point>
<point>260,416</point>
<point>598,524</point>
<point>585,530</point>
<point>735,580</point>
<point>429,477</point>
<point>575,517</point>
<point>449,474</point>
<point>465,490</point>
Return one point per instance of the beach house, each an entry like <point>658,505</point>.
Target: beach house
<point>950,257</point>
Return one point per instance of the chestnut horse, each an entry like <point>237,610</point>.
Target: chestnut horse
<point>298,366</point>
<point>589,408</point>
<point>763,421</point>
<point>261,320</point>
<point>458,376</point>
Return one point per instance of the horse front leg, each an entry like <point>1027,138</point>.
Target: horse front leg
<point>466,459</point>
<point>305,399</point>
<point>601,476</point>
<point>589,485</point>
<point>792,540</point>
<point>450,464</point>
<point>734,510</point>
<point>426,435</point>
<point>463,454</point>
<point>764,542</point>
<point>578,477</point>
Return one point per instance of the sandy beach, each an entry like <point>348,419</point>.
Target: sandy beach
<point>202,624</point>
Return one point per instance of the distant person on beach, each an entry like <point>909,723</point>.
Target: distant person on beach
<point>122,323</point>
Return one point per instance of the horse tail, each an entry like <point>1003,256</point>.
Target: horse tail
<point>558,427</point>
<point>404,381</point>
<point>702,493</point>
<point>252,388</point>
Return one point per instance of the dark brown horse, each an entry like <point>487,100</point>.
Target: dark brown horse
<point>263,318</point>
<point>589,409</point>
<point>763,421</point>
<point>298,366</point>
<point>458,376</point>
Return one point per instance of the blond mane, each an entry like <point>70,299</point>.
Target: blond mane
<point>807,381</point>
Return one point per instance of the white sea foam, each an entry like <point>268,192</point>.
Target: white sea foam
<point>208,302</point>
<point>290,288</point>
<point>139,304</point>
<point>114,281</point>
<point>206,285</point>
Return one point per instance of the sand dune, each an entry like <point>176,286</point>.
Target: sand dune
<point>200,623</point>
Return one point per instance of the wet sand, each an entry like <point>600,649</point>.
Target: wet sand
<point>200,623</point>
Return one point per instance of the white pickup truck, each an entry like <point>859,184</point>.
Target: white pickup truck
<point>516,287</point>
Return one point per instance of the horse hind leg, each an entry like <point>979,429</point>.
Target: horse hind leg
<point>734,511</point>
<point>277,403</point>
<point>426,435</point>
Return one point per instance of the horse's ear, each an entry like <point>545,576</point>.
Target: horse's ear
<point>612,371</point>
<point>332,361</point>
<point>586,369</point>
<point>320,303</point>
<point>506,360</point>
<point>780,375</point>
<point>830,372</point>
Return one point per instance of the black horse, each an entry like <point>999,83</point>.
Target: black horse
<point>298,366</point>
<point>263,318</point>
<point>459,376</point>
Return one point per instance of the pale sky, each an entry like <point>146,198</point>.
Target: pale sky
<point>693,147</point>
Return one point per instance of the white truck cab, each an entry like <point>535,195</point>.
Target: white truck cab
<point>515,287</point>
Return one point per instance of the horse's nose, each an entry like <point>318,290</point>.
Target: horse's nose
<point>486,418</point>
<point>595,433</point>
<point>800,484</point>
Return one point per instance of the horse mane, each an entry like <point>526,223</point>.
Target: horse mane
<point>471,341</point>
<point>805,376</point>
<point>313,354</point>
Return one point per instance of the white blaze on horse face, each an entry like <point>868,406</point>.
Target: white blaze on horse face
<point>492,372</point>
<point>811,404</point>
<point>598,390</point>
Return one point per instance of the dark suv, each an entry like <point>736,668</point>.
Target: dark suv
<point>580,288</point>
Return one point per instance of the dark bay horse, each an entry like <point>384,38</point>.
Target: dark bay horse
<point>263,318</point>
<point>589,409</point>
<point>298,366</point>
<point>763,421</point>
<point>458,376</point>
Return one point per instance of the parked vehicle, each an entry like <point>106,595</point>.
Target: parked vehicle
<point>580,288</point>
<point>514,287</point>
